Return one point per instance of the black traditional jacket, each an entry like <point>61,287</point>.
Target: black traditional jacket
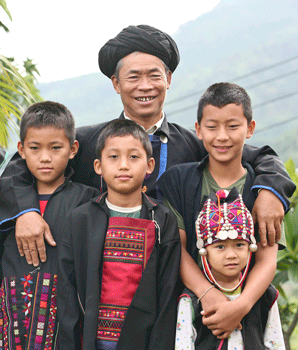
<point>151,318</point>
<point>182,187</point>
<point>28,294</point>
<point>182,146</point>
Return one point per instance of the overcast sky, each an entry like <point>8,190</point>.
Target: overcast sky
<point>64,36</point>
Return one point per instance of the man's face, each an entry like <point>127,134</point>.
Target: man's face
<point>142,84</point>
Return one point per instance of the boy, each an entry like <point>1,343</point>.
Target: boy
<point>225,235</point>
<point>124,292</point>
<point>28,294</point>
<point>224,122</point>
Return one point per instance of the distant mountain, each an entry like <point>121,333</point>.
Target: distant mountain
<point>236,38</point>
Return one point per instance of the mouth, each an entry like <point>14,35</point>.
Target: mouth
<point>231,266</point>
<point>45,169</point>
<point>145,99</point>
<point>222,148</point>
<point>123,177</point>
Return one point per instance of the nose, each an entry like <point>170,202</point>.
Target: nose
<point>222,135</point>
<point>145,83</point>
<point>230,252</point>
<point>123,164</point>
<point>45,156</point>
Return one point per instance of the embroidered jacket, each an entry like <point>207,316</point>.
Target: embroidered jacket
<point>151,317</point>
<point>28,294</point>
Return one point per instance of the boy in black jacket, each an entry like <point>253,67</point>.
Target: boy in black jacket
<point>28,294</point>
<point>124,291</point>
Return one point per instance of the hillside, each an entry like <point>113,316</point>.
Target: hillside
<point>235,39</point>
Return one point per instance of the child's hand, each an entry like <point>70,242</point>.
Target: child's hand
<point>223,317</point>
<point>31,230</point>
<point>268,211</point>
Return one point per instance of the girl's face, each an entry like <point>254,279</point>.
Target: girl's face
<point>227,259</point>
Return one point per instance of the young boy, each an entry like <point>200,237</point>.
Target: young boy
<point>224,122</point>
<point>225,235</point>
<point>28,294</point>
<point>120,254</point>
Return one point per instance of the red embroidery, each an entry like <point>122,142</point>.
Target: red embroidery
<point>129,243</point>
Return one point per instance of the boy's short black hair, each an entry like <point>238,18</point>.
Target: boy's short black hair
<point>222,94</point>
<point>48,113</point>
<point>123,127</point>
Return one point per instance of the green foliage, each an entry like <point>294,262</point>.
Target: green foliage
<point>4,6</point>
<point>17,91</point>
<point>287,263</point>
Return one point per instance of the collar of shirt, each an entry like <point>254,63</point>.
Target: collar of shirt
<point>155,127</point>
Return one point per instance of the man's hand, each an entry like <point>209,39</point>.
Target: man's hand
<point>223,318</point>
<point>268,212</point>
<point>216,307</point>
<point>31,229</point>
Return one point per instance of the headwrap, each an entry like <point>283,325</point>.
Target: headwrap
<point>142,38</point>
<point>224,215</point>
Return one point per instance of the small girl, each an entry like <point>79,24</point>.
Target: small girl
<point>225,239</point>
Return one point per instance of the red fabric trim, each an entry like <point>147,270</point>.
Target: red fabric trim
<point>42,205</point>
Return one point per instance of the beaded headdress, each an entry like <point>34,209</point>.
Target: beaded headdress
<point>224,215</point>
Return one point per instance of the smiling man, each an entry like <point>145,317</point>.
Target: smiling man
<point>140,62</point>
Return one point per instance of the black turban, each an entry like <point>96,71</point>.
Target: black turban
<point>142,38</point>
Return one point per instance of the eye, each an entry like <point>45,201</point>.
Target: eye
<point>211,127</point>
<point>113,156</point>
<point>34,148</point>
<point>133,77</point>
<point>134,156</point>
<point>234,126</point>
<point>220,247</point>
<point>155,76</point>
<point>56,148</point>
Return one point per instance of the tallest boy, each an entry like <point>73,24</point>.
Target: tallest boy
<point>140,61</point>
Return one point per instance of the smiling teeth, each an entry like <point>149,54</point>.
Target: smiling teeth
<point>144,99</point>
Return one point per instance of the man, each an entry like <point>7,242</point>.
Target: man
<point>140,61</point>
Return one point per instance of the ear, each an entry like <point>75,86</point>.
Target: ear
<point>74,149</point>
<point>97,166</point>
<point>116,84</point>
<point>150,166</point>
<point>21,150</point>
<point>251,129</point>
<point>198,131</point>
<point>169,79</point>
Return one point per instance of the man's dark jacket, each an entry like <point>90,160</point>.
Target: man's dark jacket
<point>183,146</point>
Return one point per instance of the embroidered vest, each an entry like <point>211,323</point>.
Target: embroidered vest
<point>128,245</point>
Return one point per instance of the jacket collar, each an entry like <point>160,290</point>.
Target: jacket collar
<point>146,201</point>
<point>162,130</point>
<point>147,204</point>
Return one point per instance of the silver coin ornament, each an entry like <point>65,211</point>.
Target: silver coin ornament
<point>253,239</point>
<point>200,243</point>
<point>209,240</point>
<point>222,235</point>
<point>203,251</point>
<point>233,234</point>
<point>253,247</point>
